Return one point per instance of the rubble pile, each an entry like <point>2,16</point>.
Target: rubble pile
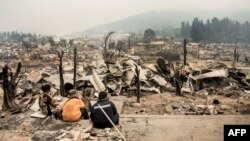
<point>215,77</point>
<point>120,77</point>
<point>188,105</point>
<point>168,55</point>
<point>219,77</point>
<point>102,134</point>
<point>200,109</point>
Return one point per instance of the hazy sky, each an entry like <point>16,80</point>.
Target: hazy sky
<point>65,16</point>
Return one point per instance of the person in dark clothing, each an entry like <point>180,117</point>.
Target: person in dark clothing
<point>97,116</point>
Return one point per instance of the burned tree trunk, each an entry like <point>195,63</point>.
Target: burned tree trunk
<point>13,81</point>
<point>138,83</point>
<point>185,51</point>
<point>9,87</point>
<point>198,53</point>
<point>7,100</point>
<point>75,66</point>
<point>60,55</point>
<point>236,54</point>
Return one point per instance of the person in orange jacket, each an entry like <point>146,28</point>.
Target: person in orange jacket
<point>73,108</point>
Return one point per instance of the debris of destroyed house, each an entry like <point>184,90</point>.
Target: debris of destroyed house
<point>212,82</point>
<point>218,76</point>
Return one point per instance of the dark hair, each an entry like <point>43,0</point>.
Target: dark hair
<point>46,87</point>
<point>68,87</point>
<point>103,95</point>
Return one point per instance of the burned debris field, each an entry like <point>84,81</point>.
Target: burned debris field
<point>212,93</point>
<point>218,86</point>
<point>124,71</point>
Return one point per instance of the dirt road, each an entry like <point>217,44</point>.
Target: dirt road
<point>178,127</point>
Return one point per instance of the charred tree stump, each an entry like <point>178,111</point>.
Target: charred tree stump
<point>60,55</point>
<point>9,88</point>
<point>177,84</point>
<point>185,51</point>
<point>138,83</point>
<point>177,80</point>
<point>75,66</point>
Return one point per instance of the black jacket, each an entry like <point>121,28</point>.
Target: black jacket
<point>98,117</point>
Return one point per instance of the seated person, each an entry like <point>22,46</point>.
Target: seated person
<point>73,108</point>
<point>45,100</point>
<point>97,116</point>
<point>67,88</point>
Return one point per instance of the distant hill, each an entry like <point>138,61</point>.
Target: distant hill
<point>167,20</point>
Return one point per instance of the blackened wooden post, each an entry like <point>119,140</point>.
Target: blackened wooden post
<point>60,55</point>
<point>138,83</point>
<point>185,51</point>
<point>75,66</point>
